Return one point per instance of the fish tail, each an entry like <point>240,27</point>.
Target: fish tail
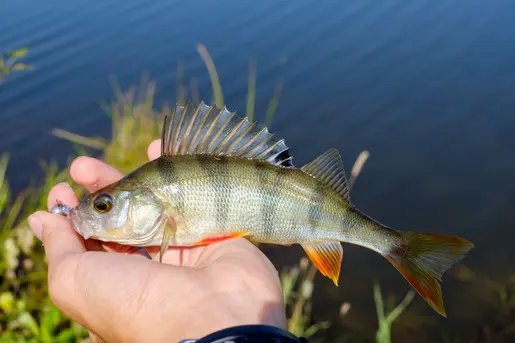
<point>423,258</point>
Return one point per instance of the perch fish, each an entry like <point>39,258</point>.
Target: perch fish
<point>221,176</point>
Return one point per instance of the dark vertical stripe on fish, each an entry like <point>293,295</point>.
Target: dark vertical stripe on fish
<point>168,176</point>
<point>270,201</point>
<point>214,167</point>
<point>277,189</point>
<point>316,205</point>
<point>262,177</point>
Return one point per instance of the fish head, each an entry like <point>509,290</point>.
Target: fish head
<point>119,214</point>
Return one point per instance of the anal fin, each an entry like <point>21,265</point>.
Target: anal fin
<point>327,257</point>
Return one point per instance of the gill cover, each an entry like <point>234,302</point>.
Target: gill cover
<point>116,214</point>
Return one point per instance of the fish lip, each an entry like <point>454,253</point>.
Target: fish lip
<point>76,220</point>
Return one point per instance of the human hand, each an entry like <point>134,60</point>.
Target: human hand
<point>122,297</point>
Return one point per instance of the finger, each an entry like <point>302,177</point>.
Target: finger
<point>154,150</point>
<point>36,226</point>
<point>64,193</point>
<point>125,289</point>
<point>200,256</point>
<point>93,174</point>
<point>245,260</point>
<point>179,256</point>
<point>72,293</point>
<point>59,239</point>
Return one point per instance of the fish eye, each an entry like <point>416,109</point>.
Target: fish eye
<point>103,203</point>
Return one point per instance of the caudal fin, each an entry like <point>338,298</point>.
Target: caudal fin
<point>423,258</point>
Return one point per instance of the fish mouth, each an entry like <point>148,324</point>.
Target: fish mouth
<point>77,224</point>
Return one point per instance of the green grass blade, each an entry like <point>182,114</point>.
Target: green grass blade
<point>195,96</point>
<point>272,105</point>
<point>4,187</point>
<point>28,322</point>
<point>379,303</point>
<point>14,213</point>
<point>213,75</point>
<point>397,311</point>
<point>17,54</point>
<point>251,95</point>
<point>95,143</point>
<point>181,99</point>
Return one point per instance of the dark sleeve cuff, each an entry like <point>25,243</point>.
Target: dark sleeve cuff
<point>249,334</point>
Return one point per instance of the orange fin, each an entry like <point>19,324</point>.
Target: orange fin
<point>220,238</point>
<point>327,257</point>
<point>423,258</point>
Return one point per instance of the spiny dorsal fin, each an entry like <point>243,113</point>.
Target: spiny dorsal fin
<point>189,130</point>
<point>328,168</point>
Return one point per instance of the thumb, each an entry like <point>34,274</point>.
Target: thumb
<point>154,150</point>
<point>62,248</point>
<point>102,291</point>
<point>59,240</point>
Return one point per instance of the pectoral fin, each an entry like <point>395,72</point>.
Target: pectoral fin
<point>169,229</point>
<point>327,257</point>
<point>173,221</point>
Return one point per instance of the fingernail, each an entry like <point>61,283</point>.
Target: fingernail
<point>35,226</point>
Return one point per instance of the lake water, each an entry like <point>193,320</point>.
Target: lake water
<point>428,87</point>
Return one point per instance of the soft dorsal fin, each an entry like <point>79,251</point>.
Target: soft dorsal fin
<point>189,130</point>
<point>328,168</point>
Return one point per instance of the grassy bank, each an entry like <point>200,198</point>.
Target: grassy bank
<point>26,312</point>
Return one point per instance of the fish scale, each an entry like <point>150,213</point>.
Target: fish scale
<point>220,176</point>
<point>236,181</point>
